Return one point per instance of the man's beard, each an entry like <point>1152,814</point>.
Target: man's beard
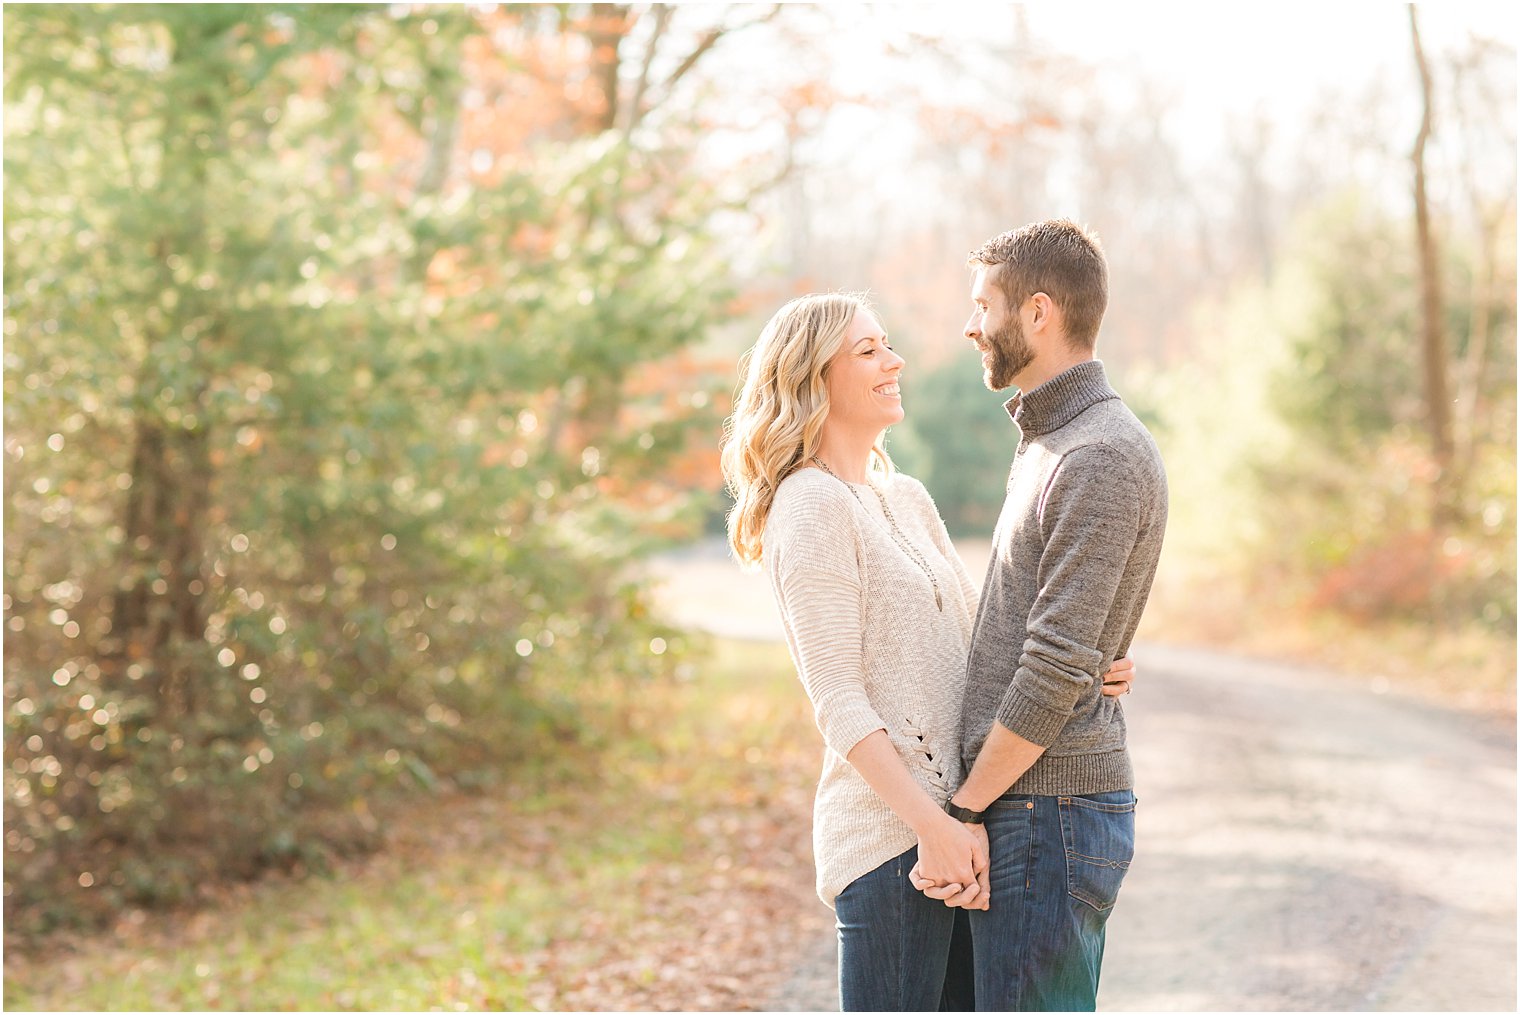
<point>1009,353</point>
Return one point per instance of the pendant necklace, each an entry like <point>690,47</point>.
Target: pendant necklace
<point>897,533</point>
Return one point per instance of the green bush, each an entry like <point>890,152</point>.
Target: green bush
<point>321,466</point>
<point>1296,445</point>
<point>958,441</point>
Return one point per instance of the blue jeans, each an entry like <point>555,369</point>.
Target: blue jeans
<point>1057,864</point>
<point>896,945</point>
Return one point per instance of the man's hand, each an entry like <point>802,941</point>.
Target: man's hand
<point>977,894</point>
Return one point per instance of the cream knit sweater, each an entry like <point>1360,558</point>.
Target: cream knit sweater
<point>872,650</point>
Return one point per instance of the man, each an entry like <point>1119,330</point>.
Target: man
<point>1075,551</point>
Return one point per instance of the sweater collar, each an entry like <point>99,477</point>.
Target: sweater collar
<point>1061,399</point>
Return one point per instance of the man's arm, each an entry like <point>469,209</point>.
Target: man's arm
<point>1005,757</point>
<point>1090,522</point>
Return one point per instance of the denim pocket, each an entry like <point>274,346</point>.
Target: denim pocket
<point>1098,833</point>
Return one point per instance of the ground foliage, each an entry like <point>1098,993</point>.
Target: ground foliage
<point>628,876</point>
<point>325,431</point>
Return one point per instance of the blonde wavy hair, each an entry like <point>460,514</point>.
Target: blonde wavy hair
<point>780,410</point>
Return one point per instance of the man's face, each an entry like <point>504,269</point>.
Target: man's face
<point>998,333</point>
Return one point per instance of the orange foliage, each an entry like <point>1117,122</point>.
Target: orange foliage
<point>523,86</point>
<point>684,385</point>
<point>1399,574</point>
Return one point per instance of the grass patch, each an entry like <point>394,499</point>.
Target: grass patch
<point>581,892</point>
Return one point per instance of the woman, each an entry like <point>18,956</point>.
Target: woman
<point>877,609</point>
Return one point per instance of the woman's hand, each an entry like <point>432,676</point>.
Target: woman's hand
<point>952,858</point>
<point>950,854</point>
<point>976,894</point>
<point>1117,680</point>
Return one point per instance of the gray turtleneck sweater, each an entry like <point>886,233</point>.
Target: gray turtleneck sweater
<point>1073,557</point>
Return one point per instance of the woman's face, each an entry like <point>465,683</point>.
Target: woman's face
<point>862,378</point>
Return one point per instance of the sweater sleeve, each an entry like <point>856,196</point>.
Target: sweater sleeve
<point>1089,523</point>
<point>819,584</point>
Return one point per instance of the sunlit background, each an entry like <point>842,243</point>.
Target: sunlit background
<point>358,358</point>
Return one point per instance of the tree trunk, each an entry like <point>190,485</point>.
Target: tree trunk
<point>160,604</point>
<point>159,608</point>
<point>1433,332</point>
<point>609,24</point>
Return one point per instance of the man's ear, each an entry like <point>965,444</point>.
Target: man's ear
<point>1042,310</point>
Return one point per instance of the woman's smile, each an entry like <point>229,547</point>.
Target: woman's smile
<point>863,379</point>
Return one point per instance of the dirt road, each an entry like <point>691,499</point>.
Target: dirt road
<point>1307,840</point>
<point>1307,844</point>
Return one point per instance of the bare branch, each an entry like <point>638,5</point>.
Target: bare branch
<point>633,111</point>
<point>709,39</point>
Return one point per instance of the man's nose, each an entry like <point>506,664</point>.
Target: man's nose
<point>972,331</point>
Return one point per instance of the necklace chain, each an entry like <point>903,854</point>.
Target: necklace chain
<point>897,533</point>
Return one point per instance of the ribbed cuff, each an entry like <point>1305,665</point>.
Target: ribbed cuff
<point>1030,719</point>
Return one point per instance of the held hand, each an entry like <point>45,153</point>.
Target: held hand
<point>977,894</point>
<point>1119,676</point>
<point>949,856</point>
<point>929,888</point>
<point>984,872</point>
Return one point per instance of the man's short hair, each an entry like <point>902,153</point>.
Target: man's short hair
<point>1058,258</point>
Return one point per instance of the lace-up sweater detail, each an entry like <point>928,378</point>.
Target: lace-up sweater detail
<point>872,650</point>
<point>930,760</point>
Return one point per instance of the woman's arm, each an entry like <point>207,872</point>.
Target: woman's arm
<point>948,852</point>
<point>820,587</point>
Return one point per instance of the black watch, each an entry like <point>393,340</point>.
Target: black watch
<point>965,814</point>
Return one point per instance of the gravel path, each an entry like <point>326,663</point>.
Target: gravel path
<point>1307,841</point>
<point>1308,844</point>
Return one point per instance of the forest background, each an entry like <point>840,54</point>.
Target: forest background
<point>356,355</point>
